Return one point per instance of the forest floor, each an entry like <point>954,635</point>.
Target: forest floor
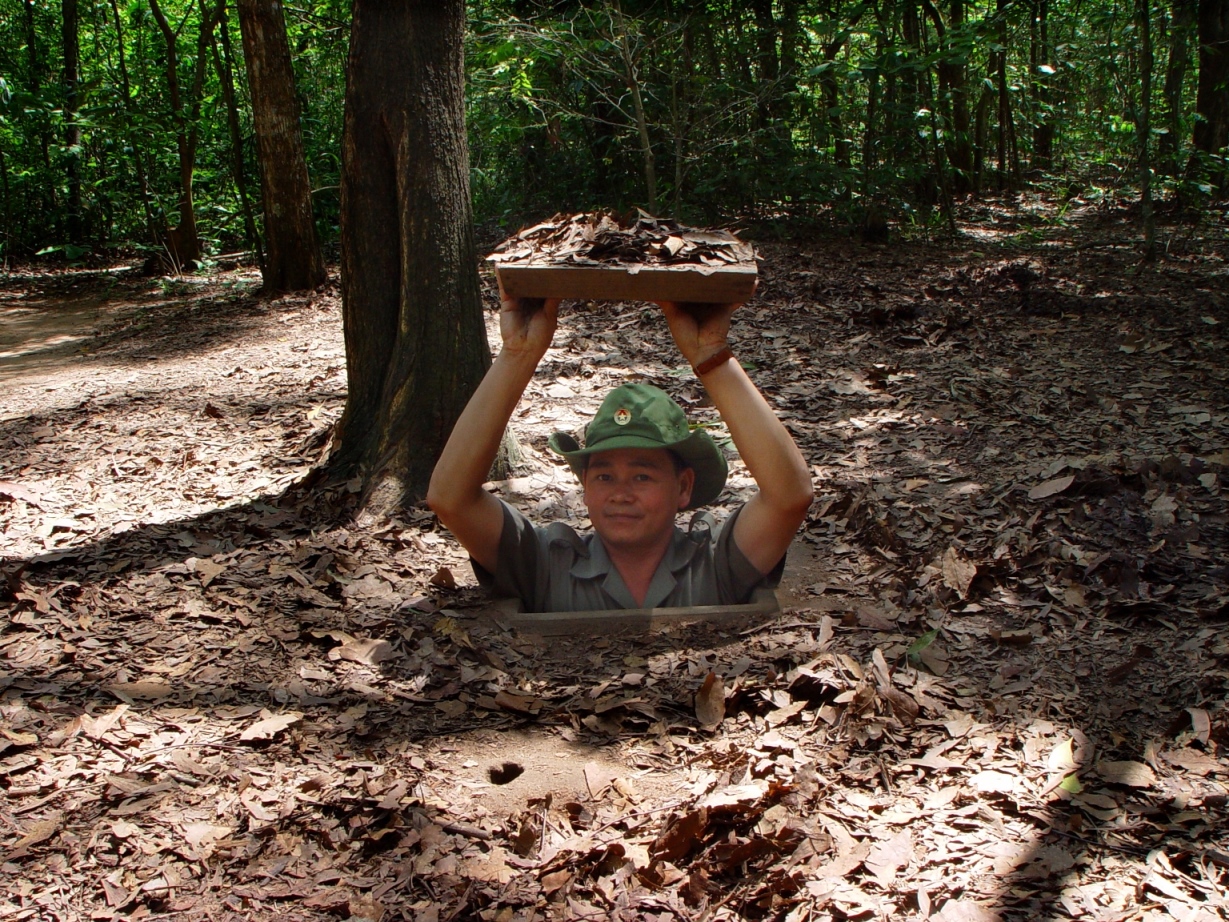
<point>997,689</point>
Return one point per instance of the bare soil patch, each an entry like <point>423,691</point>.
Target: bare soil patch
<point>997,690</point>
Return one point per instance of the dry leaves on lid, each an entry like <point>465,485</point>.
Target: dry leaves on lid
<point>596,238</point>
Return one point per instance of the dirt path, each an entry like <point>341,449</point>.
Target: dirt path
<point>997,690</point>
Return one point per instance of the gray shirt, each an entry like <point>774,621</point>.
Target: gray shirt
<point>554,568</point>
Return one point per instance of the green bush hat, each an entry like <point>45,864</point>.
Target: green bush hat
<point>643,416</point>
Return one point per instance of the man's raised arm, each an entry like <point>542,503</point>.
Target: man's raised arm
<point>472,514</point>
<point>770,519</point>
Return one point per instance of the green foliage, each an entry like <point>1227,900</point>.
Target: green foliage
<point>700,107</point>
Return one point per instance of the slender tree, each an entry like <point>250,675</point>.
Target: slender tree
<point>830,93</point>
<point>224,67</point>
<point>293,261</point>
<point>631,69</point>
<point>34,85</point>
<point>7,245</point>
<point>1181,23</point>
<point>953,101</point>
<point>1143,126</point>
<point>72,128</point>
<point>1041,70</point>
<point>183,243</point>
<point>135,142</point>
<point>1005,134</point>
<point>415,340</point>
<point>767,63</point>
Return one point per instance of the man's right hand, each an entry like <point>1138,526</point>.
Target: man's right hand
<point>455,493</point>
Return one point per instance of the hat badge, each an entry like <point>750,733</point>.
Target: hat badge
<point>622,416</point>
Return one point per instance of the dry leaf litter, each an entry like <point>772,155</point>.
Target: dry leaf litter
<point>997,690</point>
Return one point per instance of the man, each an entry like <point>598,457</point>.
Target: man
<point>640,467</point>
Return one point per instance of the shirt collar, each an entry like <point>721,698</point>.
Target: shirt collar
<point>596,564</point>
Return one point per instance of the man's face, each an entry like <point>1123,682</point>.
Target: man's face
<point>633,495</point>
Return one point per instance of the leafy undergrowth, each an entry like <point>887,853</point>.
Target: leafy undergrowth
<point>999,691</point>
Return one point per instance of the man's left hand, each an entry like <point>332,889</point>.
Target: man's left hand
<point>699,330</point>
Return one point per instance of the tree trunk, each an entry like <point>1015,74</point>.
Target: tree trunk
<point>224,65</point>
<point>962,131</point>
<point>6,244</point>
<point>953,99</point>
<point>34,76</point>
<point>138,159</point>
<point>1043,128</point>
<point>183,243</point>
<point>981,135</point>
<point>1143,128</point>
<point>791,41</point>
<point>1212,102</point>
<point>1168,145</point>
<point>681,73</point>
<point>915,98</point>
<point>870,135</point>
<point>72,128</point>
<point>830,93</point>
<point>766,62</point>
<point>632,75</point>
<point>293,261</point>
<point>999,58</point>
<point>415,340</point>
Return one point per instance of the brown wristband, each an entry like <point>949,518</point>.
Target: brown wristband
<point>717,358</point>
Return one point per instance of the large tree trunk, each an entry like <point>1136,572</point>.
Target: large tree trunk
<point>72,128</point>
<point>293,261</point>
<point>1212,102</point>
<point>415,341</point>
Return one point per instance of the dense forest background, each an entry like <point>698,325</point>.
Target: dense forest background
<point>114,115</point>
